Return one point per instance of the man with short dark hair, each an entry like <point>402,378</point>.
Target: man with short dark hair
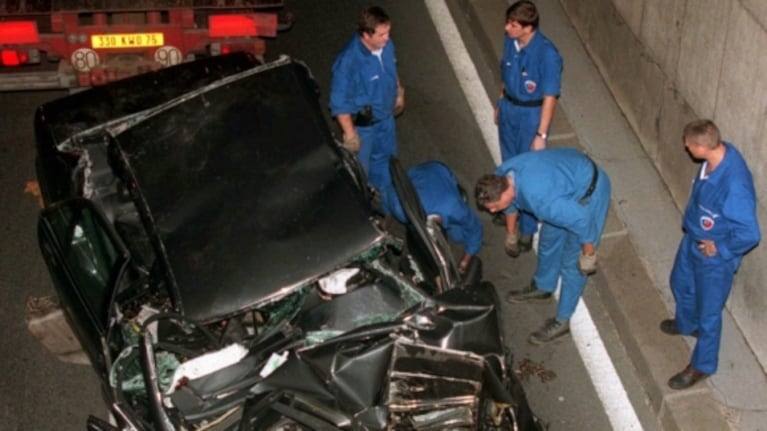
<point>570,195</point>
<point>366,94</point>
<point>720,226</point>
<point>531,71</point>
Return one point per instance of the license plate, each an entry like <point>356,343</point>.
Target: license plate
<point>126,40</point>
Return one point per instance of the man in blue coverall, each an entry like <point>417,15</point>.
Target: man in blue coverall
<point>570,195</point>
<point>365,95</point>
<point>438,190</point>
<point>531,70</point>
<point>720,226</point>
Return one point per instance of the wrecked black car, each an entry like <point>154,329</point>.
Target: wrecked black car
<point>216,254</point>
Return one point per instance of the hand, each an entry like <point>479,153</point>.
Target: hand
<point>352,143</point>
<point>587,263</point>
<point>707,247</point>
<point>399,105</point>
<point>538,143</point>
<point>512,244</point>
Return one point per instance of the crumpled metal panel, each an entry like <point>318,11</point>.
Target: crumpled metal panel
<point>464,319</point>
<point>433,386</point>
<point>354,371</point>
<point>399,375</point>
<point>437,371</point>
<point>387,381</point>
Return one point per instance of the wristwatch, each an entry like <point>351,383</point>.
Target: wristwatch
<point>542,135</point>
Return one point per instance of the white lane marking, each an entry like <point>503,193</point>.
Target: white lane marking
<point>481,106</point>
<point>585,335</point>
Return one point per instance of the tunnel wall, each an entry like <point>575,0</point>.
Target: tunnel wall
<point>668,62</point>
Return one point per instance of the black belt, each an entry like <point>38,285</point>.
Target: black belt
<point>527,103</point>
<point>364,118</point>
<point>593,185</point>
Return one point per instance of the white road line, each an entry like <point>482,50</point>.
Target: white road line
<point>467,75</point>
<point>585,335</point>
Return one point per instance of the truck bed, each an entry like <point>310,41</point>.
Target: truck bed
<point>25,7</point>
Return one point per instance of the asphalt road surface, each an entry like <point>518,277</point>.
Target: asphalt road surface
<point>40,393</point>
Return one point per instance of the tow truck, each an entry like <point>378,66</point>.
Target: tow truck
<point>76,44</point>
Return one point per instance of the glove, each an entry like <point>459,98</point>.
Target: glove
<point>352,144</point>
<point>512,244</point>
<point>399,105</point>
<point>587,264</point>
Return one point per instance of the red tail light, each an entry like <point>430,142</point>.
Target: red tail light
<point>257,24</point>
<point>11,57</point>
<point>18,32</point>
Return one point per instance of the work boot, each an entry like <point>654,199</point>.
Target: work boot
<point>525,243</point>
<point>686,378</point>
<point>529,293</point>
<point>669,326</point>
<point>552,330</point>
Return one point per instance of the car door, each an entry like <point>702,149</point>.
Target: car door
<point>427,238</point>
<point>85,259</point>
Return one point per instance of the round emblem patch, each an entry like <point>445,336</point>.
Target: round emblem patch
<point>530,86</point>
<point>706,223</point>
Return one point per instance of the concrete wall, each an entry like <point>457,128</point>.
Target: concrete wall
<point>671,61</point>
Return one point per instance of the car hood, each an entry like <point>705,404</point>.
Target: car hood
<point>245,189</point>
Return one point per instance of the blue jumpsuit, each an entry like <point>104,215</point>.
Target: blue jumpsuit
<point>437,188</point>
<point>722,208</point>
<point>551,184</point>
<point>528,75</point>
<point>361,78</point>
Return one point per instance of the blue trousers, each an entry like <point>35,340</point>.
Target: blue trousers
<point>559,249</point>
<point>701,286</point>
<point>517,126</point>
<point>378,144</point>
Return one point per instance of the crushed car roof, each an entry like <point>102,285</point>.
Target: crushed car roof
<point>246,190</point>
<point>243,185</point>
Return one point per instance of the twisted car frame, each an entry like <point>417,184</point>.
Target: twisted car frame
<point>217,256</point>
